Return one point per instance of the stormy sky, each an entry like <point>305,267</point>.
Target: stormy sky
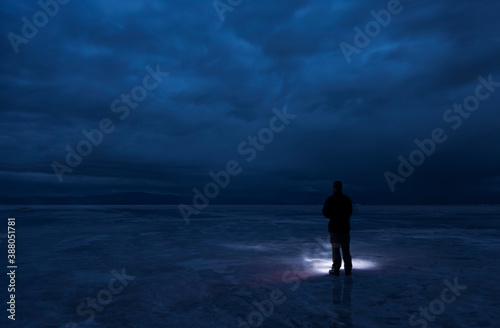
<point>103,97</point>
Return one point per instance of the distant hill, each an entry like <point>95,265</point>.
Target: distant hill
<point>125,198</point>
<point>144,198</point>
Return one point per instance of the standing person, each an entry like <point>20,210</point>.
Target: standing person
<point>338,208</point>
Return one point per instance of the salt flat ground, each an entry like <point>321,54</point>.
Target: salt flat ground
<point>253,266</point>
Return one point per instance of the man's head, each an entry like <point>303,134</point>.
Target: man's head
<point>337,186</point>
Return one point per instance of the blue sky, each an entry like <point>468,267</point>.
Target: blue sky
<point>218,81</point>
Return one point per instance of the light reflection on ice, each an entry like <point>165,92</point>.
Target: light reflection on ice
<point>322,266</point>
<point>248,247</point>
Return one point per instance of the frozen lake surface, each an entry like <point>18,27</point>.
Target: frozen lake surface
<point>253,266</point>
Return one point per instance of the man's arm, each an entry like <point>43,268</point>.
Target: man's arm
<point>327,212</point>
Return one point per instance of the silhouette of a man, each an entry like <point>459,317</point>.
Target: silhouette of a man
<point>338,208</point>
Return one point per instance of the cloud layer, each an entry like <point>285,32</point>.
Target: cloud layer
<point>225,77</point>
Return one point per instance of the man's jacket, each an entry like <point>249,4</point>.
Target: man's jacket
<point>338,208</point>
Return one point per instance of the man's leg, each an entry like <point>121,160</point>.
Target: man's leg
<point>336,257</point>
<point>345,240</point>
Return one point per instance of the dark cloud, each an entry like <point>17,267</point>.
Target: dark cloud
<point>353,119</point>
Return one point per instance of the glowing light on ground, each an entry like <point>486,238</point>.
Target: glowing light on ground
<point>318,265</point>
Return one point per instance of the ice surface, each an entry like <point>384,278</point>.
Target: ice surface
<point>232,261</point>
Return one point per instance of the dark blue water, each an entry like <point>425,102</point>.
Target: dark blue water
<point>263,266</point>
